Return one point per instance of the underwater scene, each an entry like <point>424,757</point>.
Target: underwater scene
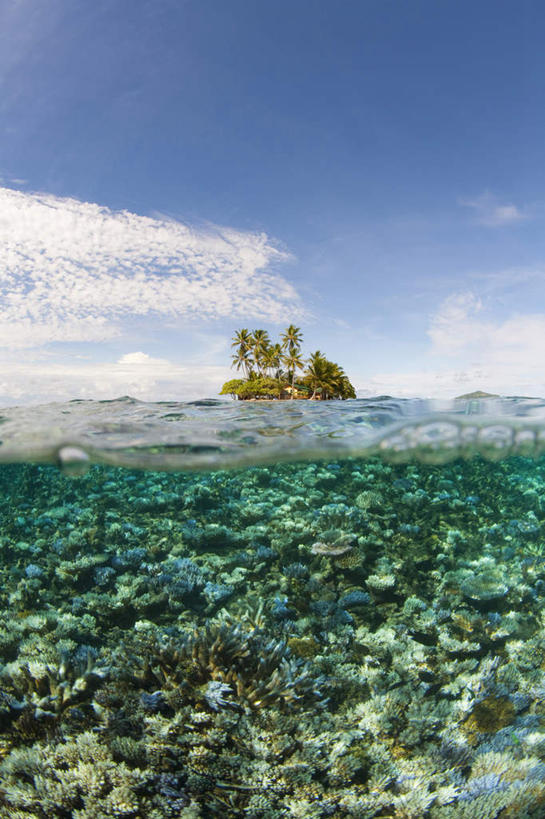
<point>272,611</point>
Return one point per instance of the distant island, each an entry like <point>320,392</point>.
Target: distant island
<point>477,394</point>
<point>279,371</point>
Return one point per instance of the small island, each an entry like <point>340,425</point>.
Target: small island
<point>278,371</point>
<point>477,394</point>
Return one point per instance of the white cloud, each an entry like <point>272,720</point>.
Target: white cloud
<point>34,380</point>
<point>423,383</point>
<point>447,383</point>
<point>458,329</point>
<point>489,211</point>
<point>131,359</point>
<point>12,181</point>
<point>72,271</point>
<point>453,326</point>
<point>471,350</point>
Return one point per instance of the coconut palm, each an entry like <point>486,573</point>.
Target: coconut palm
<point>293,361</point>
<point>314,372</point>
<point>327,378</point>
<point>276,355</point>
<point>324,378</point>
<point>291,344</point>
<point>272,358</point>
<point>292,338</point>
<point>242,357</point>
<point>346,387</point>
<point>242,361</point>
<point>319,375</point>
<point>260,344</point>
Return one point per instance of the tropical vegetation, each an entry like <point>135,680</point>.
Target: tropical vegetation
<point>278,370</point>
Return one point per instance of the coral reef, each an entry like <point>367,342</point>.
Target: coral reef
<point>336,639</point>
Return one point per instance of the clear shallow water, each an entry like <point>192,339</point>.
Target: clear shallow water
<point>352,635</point>
<point>221,434</point>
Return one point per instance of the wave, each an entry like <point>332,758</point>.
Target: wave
<point>212,434</point>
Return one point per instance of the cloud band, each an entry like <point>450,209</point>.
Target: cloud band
<point>72,271</point>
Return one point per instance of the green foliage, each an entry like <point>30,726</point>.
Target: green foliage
<point>232,387</point>
<point>242,357</point>
<point>327,379</point>
<point>322,379</point>
<point>292,338</point>
<point>255,387</point>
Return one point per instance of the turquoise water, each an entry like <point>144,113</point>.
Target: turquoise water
<point>349,624</point>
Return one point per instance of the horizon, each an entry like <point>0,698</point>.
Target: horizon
<point>173,171</point>
<point>437,404</point>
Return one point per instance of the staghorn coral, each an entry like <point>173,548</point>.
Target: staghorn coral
<point>253,669</point>
<point>51,689</point>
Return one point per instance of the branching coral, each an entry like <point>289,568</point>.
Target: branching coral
<point>254,669</point>
<point>50,689</point>
<point>78,778</point>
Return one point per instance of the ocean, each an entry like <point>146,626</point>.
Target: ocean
<point>284,609</point>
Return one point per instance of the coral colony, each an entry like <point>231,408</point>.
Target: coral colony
<point>325,639</point>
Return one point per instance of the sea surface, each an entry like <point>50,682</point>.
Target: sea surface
<point>268,610</point>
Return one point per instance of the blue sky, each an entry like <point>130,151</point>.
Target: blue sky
<point>371,170</point>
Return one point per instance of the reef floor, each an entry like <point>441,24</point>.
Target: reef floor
<point>328,639</point>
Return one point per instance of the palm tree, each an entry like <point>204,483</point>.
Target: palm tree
<point>272,359</point>
<point>335,375</point>
<point>314,372</point>
<point>260,344</point>
<point>319,375</point>
<point>292,338</point>
<point>276,358</point>
<point>293,361</point>
<point>347,388</point>
<point>291,343</point>
<point>327,378</point>
<point>242,358</point>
